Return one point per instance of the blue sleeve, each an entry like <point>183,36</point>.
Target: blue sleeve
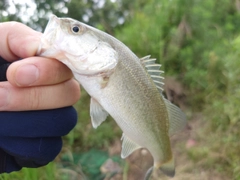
<point>3,69</point>
<point>33,138</point>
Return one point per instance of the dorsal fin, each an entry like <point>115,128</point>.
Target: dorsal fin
<point>177,119</point>
<point>153,70</point>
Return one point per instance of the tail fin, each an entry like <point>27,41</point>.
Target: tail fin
<point>167,168</point>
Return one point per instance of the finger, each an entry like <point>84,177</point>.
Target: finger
<point>38,98</point>
<point>35,71</point>
<point>18,41</point>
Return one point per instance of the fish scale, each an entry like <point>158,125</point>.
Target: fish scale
<point>120,84</point>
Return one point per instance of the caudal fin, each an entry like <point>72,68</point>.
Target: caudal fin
<point>167,168</point>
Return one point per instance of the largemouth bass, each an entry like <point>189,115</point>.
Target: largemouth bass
<point>120,84</point>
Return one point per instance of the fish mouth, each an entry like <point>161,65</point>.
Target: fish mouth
<point>53,36</point>
<point>52,24</point>
<point>50,46</point>
<point>48,34</point>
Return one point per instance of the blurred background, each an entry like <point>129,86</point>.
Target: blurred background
<point>198,44</point>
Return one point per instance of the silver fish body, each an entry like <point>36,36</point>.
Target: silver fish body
<point>120,84</point>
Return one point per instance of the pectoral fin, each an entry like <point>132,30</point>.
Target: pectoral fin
<point>177,119</point>
<point>128,146</point>
<point>97,113</point>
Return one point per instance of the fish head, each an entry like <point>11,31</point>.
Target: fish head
<point>77,45</point>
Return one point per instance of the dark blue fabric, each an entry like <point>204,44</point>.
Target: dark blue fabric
<point>33,138</point>
<point>47,123</point>
<point>3,69</point>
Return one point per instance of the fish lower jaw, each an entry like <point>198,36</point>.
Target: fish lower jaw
<point>87,73</point>
<point>94,73</point>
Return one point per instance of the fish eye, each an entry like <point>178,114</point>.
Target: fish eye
<point>75,29</point>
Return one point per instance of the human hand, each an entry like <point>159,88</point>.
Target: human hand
<point>47,83</point>
<point>30,133</point>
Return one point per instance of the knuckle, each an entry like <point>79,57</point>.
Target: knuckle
<point>34,98</point>
<point>74,88</point>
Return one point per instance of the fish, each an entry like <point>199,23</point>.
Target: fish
<point>128,88</point>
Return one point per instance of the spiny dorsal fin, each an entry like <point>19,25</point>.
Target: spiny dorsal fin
<point>153,70</point>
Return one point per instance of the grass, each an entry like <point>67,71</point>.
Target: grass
<point>47,172</point>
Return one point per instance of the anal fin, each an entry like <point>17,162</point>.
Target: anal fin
<point>128,146</point>
<point>97,113</point>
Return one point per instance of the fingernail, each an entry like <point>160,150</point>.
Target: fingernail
<point>3,97</point>
<point>26,75</point>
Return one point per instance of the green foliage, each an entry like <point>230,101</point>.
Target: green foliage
<point>186,37</point>
<point>193,41</point>
<point>34,14</point>
<point>43,9</point>
<point>105,15</point>
<point>227,122</point>
<point>44,173</point>
<point>5,15</point>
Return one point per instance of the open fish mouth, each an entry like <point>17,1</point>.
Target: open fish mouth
<point>52,24</point>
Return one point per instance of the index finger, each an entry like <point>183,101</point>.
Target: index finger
<point>18,41</point>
